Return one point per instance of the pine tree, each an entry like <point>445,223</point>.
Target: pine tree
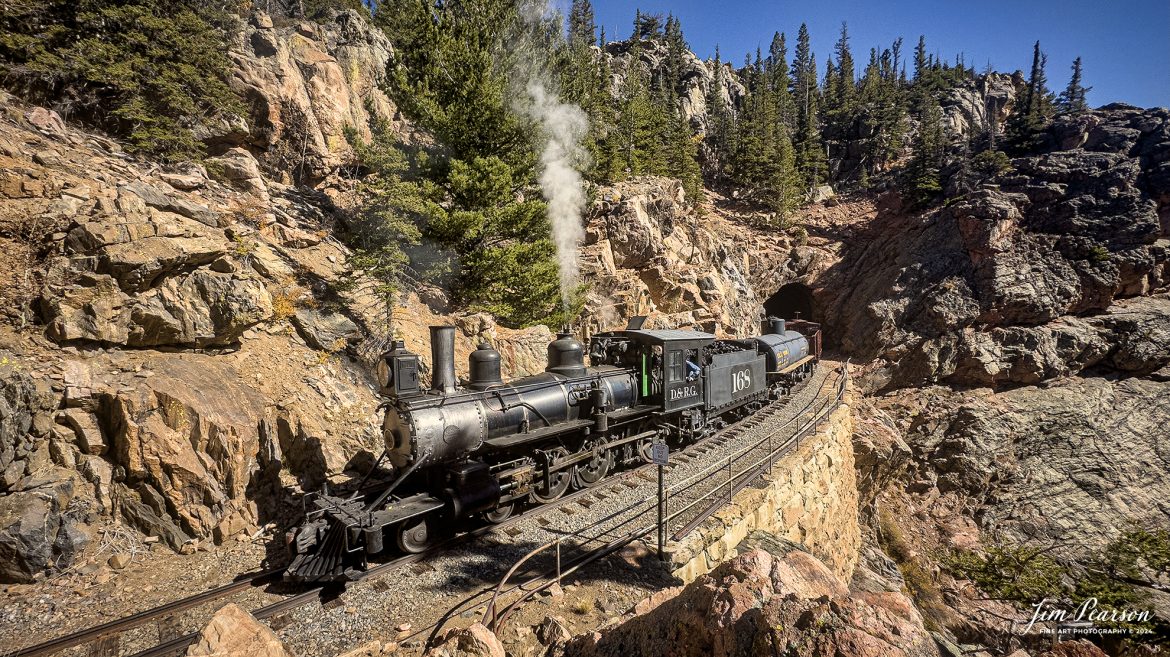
<point>842,96</point>
<point>721,132</point>
<point>676,49</point>
<point>1073,98</point>
<point>582,24</point>
<point>496,248</point>
<point>146,70</point>
<point>924,182</point>
<point>641,121</point>
<point>1034,109</point>
<point>920,64</point>
<point>765,161</point>
<point>777,69</point>
<point>883,116</point>
<point>810,156</point>
<point>647,26</point>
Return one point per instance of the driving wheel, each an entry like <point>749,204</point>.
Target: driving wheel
<point>415,535</point>
<point>500,513</point>
<point>594,470</point>
<point>547,490</point>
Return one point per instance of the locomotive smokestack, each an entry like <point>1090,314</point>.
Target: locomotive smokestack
<point>443,359</point>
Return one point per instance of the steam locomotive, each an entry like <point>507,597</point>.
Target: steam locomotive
<point>489,447</point>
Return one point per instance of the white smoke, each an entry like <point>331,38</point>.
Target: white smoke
<point>562,127</point>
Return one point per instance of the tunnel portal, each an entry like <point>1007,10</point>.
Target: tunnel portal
<point>792,301</point>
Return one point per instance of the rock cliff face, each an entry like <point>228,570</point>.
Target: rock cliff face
<point>1061,463</point>
<point>697,78</point>
<point>304,83</point>
<point>970,109</point>
<point>646,254</point>
<point>1018,282</point>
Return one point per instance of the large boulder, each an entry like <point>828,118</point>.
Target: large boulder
<point>764,604</point>
<point>36,535</point>
<point>188,435</point>
<point>472,641</point>
<point>233,632</point>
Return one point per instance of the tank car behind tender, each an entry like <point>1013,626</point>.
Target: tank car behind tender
<point>486,447</point>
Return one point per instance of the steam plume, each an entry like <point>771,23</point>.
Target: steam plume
<point>562,127</point>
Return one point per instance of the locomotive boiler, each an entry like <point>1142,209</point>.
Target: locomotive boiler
<point>486,447</point>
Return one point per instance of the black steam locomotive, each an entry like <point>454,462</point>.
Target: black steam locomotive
<point>489,446</point>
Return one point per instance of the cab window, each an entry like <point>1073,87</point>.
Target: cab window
<point>674,366</point>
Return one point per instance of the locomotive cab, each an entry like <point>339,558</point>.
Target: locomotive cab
<point>669,363</point>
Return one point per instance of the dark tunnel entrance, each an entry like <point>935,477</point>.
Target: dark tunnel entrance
<point>790,302</point>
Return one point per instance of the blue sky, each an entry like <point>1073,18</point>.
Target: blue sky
<point>1125,44</point>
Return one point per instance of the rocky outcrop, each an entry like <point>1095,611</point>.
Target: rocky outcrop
<point>1059,463</point>
<point>142,267</point>
<point>763,603</point>
<point>970,108</point>
<point>304,84</point>
<point>26,423</point>
<point>697,77</point>
<point>999,286</point>
<point>233,632</point>
<point>649,255</point>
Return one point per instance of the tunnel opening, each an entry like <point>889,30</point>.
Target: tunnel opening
<point>792,301</point>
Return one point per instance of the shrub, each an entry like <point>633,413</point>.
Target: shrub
<point>1009,572</point>
<point>145,70</point>
<point>920,583</point>
<point>991,163</point>
<point>800,236</point>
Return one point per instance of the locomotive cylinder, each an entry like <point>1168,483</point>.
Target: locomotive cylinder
<point>443,359</point>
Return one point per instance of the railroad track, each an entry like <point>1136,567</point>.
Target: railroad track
<point>178,644</point>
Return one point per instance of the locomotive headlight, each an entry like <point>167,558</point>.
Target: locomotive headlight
<point>385,374</point>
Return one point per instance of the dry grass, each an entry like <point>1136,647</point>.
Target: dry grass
<point>283,306</point>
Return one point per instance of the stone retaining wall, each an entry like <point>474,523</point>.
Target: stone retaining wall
<point>810,498</point>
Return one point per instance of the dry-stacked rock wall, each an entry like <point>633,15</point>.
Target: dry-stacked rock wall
<point>810,497</point>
